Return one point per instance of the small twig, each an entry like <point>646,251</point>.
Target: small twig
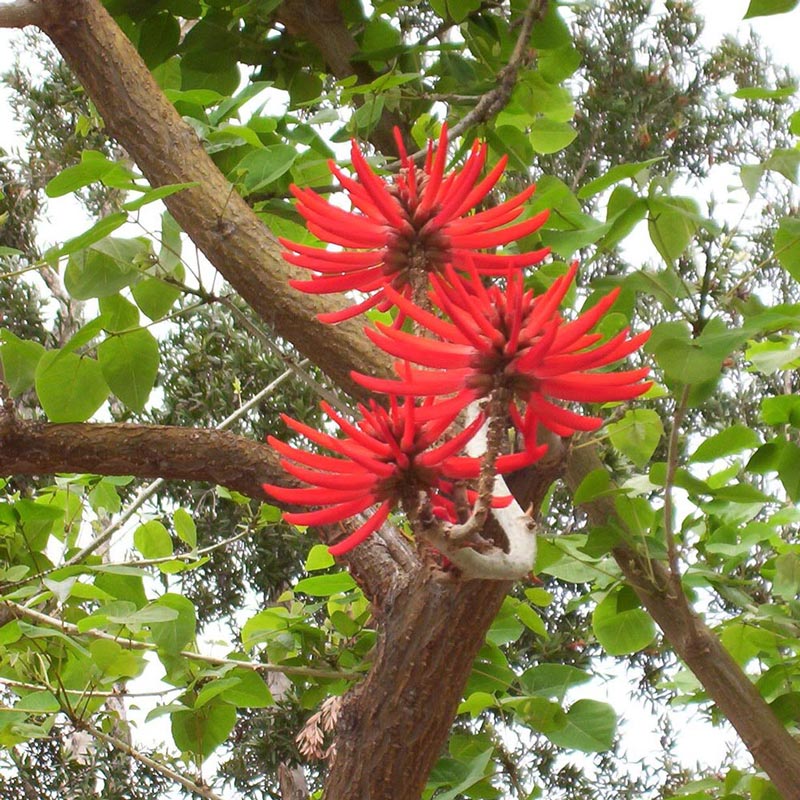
<point>494,101</point>
<point>132,752</point>
<point>148,491</point>
<point>134,644</point>
<point>304,375</point>
<point>495,429</point>
<point>672,466</point>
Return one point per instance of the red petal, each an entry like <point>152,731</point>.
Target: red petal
<point>315,496</point>
<point>331,317</point>
<point>427,352</point>
<point>325,516</point>
<point>364,532</point>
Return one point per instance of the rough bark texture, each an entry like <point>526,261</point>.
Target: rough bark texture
<point>392,727</point>
<point>220,223</point>
<point>771,745</point>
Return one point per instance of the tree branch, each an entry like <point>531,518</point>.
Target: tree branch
<point>320,23</point>
<point>495,101</point>
<point>219,222</point>
<point>194,454</point>
<point>729,687</point>
<point>20,14</point>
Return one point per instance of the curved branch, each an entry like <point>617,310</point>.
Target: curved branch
<point>167,150</point>
<point>20,14</point>
<point>773,748</point>
<point>380,565</point>
<point>145,451</point>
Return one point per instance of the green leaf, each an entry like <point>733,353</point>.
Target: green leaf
<point>326,585</point>
<point>130,366</point>
<point>201,731</point>
<point>42,702</point>
<point>249,690</point>
<point>781,410</point>
<point>94,166</point>
<point>506,628</point>
<point>104,268</point>
<point>100,230</point>
<point>114,661</point>
<point>596,484</point>
<point>118,313</point>
<point>785,161</point>
<point>476,769</point>
<point>731,440</point>
<point>763,8</point>
<point>551,32</point>
<point>70,387</point>
<point>155,297</point>
<point>589,727</point>
<point>152,540</point>
<point>538,713</point>
<point>263,167</point>
<point>159,36</point>
<point>672,223</point>
<point>552,680</point>
<point>263,625</point>
<point>174,635</point>
<point>20,359</point>
<point>786,583</point>
<point>615,175</point>
<point>637,434</point>
<point>531,619</point>
<point>548,136</point>
<point>319,558</point>
<point>151,195</point>
<point>620,625</point>
<point>787,245</point>
<point>457,10</point>
<point>762,93</point>
<point>185,527</point>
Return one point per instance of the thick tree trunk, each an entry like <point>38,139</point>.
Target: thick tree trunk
<point>393,726</point>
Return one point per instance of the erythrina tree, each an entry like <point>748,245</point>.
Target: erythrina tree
<point>464,364</point>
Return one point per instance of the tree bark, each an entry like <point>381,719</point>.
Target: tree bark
<point>167,150</point>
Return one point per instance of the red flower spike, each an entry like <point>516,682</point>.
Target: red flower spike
<point>511,339</point>
<point>386,456</point>
<point>416,220</point>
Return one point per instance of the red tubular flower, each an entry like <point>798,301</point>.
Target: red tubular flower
<point>514,340</point>
<point>386,457</point>
<point>419,220</point>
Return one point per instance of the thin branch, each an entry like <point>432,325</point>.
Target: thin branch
<point>495,101</point>
<point>121,745</point>
<point>134,644</point>
<point>669,483</point>
<point>20,14</point>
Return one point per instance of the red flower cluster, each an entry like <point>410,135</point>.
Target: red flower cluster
<point>415,223</point>
<point>510,340</point>
<point>486,343</point>
<point>387,457</point>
